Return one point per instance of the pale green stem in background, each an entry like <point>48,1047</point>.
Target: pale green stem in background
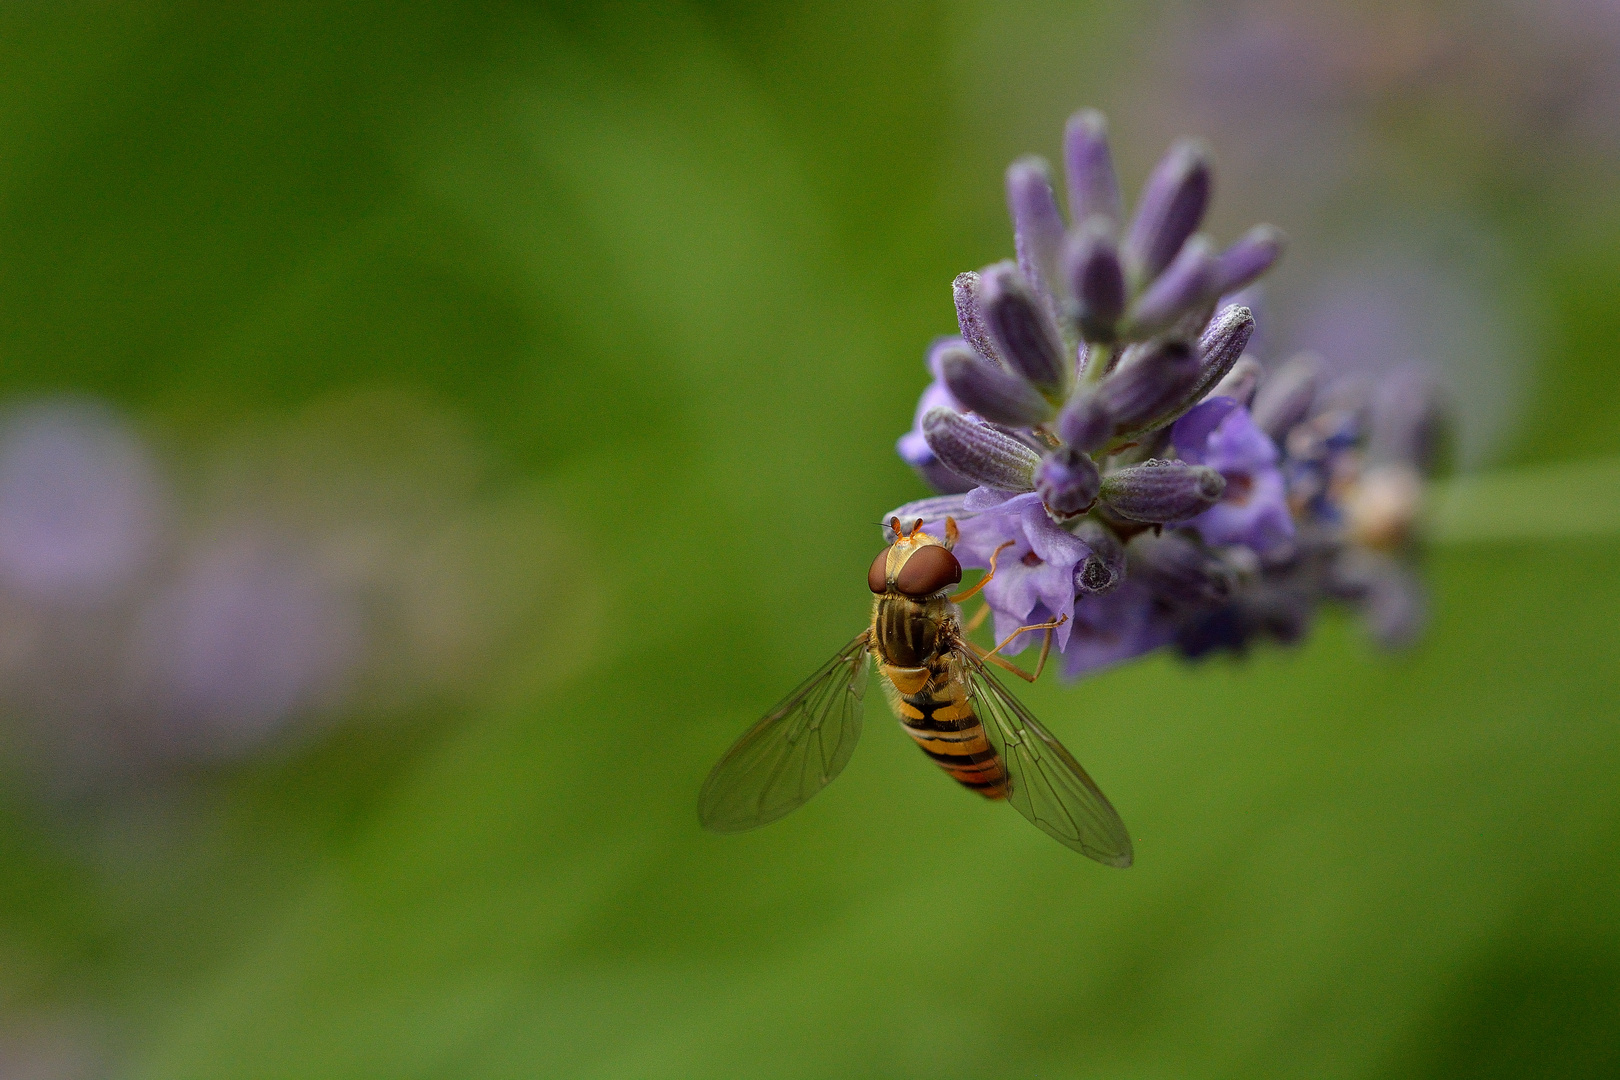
<point>1544,502</point>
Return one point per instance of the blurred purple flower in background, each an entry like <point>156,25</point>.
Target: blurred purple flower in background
<point>341,565</point>
<point>81,506</point>
<point>247,635</point>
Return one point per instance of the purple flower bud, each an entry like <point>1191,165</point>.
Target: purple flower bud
<point>1159,492</point>
<point>1172,207</point>
<point>1093,186</point>
<point>1187,285</point>
<point>1149,383</point>
<point>1037,224</point>
<point>1407,425</point>
<point>968,290</point>
<point>1180,571</point>
<point>1240,382</point>
<point>1285,396</point>
<point>1220,347</point>
<point>1104,568</point>
<point>1023,330</point>
<point>1096,278</point>
<point>1085,423</point>
<point>1067,481</point>
<point>979,452</point>
<point>1255,252</point>
<point>989,390</point>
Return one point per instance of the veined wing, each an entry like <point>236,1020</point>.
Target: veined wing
<point>794,751</point>
<point>1048,786</point>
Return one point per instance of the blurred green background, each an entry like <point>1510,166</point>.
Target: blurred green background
<point>642,292</point>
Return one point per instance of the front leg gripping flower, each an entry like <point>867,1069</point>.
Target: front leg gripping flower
<point>1100,382</point>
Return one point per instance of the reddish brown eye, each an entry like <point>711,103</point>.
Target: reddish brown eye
<point>877,578</point>
<point>929,570</point>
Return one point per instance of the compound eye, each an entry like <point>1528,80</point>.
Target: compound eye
<point>929,570</point>
<point>877,578</point>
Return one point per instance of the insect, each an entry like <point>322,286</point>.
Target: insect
<point>943,693</point>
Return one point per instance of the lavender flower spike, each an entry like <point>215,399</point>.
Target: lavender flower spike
<point>979,452</point>
<point>991,391</point>
<point>1023,330</point>
<point>968,290</point>
<point>1096,278</point>
<point>1159,492</point>
<point>1171,209</point>
<point>1067,481</point>
<point>1089,166</point>
<point>1188,284</point>
<point>1037,224</point>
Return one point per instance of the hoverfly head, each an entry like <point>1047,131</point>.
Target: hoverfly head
<point>916,564</point>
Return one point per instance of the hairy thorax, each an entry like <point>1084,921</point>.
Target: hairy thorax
<point>910,633</point>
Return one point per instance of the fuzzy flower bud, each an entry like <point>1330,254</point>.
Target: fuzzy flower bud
<point>968,290</point>
<point>1285,397</point>
<point>1096,278</point>
<point>1037,224</point>
<point>1089,166</point>
<point>1067,481</point>
<point>1084,423</point>
<point>1171,208</point>
<point>1158,492</point>
<point>1187,285</point>
<point>1255,252</point>
<point>1150,382</point>
<point>979,452</point>
<point>991,391</point>
<point>1023,330</point>
<point>1220,347</point>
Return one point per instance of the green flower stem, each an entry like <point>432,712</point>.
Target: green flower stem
<point>1564,501</point>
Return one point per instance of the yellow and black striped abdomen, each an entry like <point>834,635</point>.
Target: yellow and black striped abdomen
<point>944,724</point>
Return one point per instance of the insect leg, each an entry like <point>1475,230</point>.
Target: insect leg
<point>1046,649</point>
<point>988,574</point>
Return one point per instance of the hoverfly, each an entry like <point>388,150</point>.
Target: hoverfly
<point>941,689</point>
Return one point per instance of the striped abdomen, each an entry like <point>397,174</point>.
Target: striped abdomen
<point>944,724</point>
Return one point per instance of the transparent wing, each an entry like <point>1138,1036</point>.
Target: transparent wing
<point>1048,786</point>
<point>794,751</point>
